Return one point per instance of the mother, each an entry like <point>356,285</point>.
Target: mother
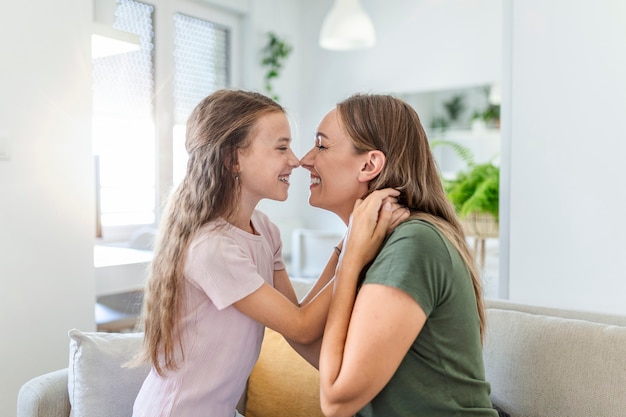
<point>405,326</point>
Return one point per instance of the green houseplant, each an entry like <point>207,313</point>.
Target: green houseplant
<point>474,192</point>
<point>274,54</point>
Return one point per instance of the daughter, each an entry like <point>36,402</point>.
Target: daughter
<point>218,276</point>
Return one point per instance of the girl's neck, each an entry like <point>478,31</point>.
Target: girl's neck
<point>242,219</point>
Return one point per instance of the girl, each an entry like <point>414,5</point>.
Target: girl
<point>404,330</point>
<point>218,276</point>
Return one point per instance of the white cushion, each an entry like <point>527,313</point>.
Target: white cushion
<point>98,384</point>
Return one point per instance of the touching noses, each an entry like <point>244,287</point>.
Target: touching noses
<point>307,160</point>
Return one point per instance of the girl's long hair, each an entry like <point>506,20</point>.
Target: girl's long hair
<point>388,124</point>
<point>216,129</point>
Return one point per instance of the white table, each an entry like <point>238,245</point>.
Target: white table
<point>120,269</point>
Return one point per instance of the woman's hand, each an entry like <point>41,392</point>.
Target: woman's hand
<point>371,221</point>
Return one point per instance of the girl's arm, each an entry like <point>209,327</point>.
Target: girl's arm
<point>302,324</point>
<point>283,284</point>
<point>310,351</point>
<point>365,340</point>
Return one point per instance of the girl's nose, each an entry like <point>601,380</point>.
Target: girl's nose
<point>293,160</point>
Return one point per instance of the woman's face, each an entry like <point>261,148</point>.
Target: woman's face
<point>334,165</point>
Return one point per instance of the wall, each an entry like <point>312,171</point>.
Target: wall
<point>566,144</point>
<point>46,191</point>
<point>421,46</point>
<point>46,203</point>
<point>563,63</point>
<point>280,17</point>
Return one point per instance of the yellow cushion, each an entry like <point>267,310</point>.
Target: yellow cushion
<point>282,383</point>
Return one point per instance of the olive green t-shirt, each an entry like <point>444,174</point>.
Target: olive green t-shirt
<point>442,375</point>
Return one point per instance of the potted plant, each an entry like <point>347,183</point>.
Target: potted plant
<point>274,54</point>
<point>475,193</point>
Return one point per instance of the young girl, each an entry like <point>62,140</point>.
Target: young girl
<point>218,276</point>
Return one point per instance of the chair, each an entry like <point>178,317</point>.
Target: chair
<point>311,250</point>
<point>118,313</point>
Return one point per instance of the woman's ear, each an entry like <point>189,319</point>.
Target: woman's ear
<point>374,164</point>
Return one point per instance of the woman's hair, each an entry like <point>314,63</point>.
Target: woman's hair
<point>388,124</point>
<point>217,128</point>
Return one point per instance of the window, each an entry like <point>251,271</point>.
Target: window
<point>201,66</point>
<point>140,109</point>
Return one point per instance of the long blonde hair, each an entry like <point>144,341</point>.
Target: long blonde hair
<point>388,124</point>
<point>216,129</point>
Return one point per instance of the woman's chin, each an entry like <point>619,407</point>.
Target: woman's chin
<point>314,202</point>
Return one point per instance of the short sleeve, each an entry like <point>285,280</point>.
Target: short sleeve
<point>272,234</point>
<point>222,269</point>
<point>416,260</point>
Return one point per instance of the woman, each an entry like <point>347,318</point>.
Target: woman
<point>404,330</point>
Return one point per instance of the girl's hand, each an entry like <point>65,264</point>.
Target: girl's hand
<point>371,221</point>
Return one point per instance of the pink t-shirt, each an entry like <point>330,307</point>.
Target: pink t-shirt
<point>221,345</point>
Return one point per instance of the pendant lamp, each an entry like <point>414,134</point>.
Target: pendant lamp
<point>346,27</point>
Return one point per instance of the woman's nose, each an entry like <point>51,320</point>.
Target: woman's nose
<point>307,159</point>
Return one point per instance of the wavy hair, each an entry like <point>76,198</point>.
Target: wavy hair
<point>388,124</point>
<point>217,128</point>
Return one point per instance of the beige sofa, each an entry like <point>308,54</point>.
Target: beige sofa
<point>541,362</point>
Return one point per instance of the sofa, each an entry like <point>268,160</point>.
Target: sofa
<point>541,362</point>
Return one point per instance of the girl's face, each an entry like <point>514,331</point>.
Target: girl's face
<point>265,165</point>
<point>335,166</point>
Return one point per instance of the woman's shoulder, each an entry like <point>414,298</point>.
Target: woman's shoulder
<point>415,228</point>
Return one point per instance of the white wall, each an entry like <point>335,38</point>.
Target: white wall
<point>47,218</point>
<point>421,46</point>
<point>280,17</point>
<point>567,144</point>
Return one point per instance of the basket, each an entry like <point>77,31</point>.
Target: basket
<point>480,225</point>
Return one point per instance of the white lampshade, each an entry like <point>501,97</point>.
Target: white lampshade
<point>347,26</point>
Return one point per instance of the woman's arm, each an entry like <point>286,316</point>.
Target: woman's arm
<point>354,364</point>
<point>364,346</point>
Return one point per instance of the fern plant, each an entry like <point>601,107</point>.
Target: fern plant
<point>275,53</point>
<point>475,190</point>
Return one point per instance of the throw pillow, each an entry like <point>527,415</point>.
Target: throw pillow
<point>98,384</point>
<point>282,383</point>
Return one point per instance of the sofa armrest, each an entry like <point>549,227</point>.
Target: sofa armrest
<point>45,396</point>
